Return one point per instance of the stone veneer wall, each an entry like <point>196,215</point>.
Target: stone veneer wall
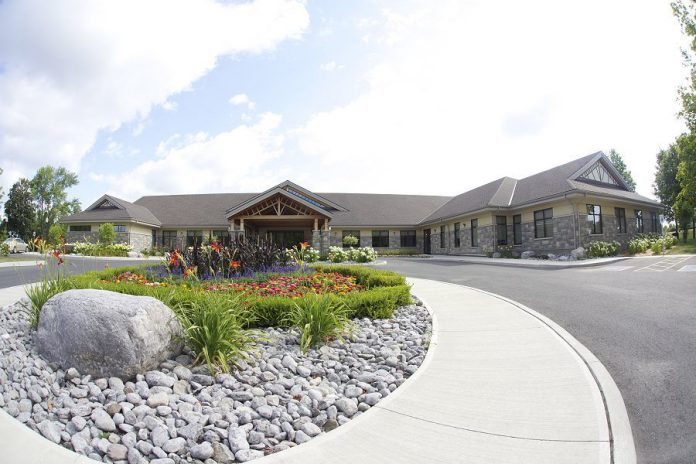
<point>562,240</point>
<point>486,239</point>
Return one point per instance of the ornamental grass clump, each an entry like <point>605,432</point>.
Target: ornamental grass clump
<point>320,319</point>
<point>52,282</point>
<point>214,328</point>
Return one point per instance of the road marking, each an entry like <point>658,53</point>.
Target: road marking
<point>688,268</point>
<point>664,264</point>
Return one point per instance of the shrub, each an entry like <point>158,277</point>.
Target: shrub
<point>656,246</point>
<point>319,318</point>
<point>4,249</point>
<point>599,249</point>
<point>56,234</point>
<point>398,252</point>
<point>99,249</point>
<point>351,240</point>
<point>213,327</point>
<point>378,303</point>
<point>106,233</point>
<point>337,254</point>
<point>362,254</point>
<point>366,276</point>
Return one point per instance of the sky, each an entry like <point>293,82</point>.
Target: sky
<point>408,96</point>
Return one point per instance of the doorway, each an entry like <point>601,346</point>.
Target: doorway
<point>286,238</point>
<point>426,241</point>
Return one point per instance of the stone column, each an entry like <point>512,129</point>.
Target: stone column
<point>316,239</point>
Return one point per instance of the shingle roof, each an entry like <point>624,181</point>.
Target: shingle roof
<point>373,209</point>
<point>123,211</point>
<point>496,193</point>
<point>193,210</point>
<point>548,183</point>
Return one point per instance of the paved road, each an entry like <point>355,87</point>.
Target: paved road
<point>637,316</point>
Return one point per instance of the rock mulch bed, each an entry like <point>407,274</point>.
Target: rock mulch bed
<point>279,399</point>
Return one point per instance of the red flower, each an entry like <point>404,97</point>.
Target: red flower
<point>216,247</point>
<point>56,254</point>
<point>174,259</point>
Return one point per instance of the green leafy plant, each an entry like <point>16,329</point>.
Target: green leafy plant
<point>106,233</point>
<point>52,282</point>
<point>4,249</point>
<point>362,254</point>
<point>351,240</point>
<point>56,234</point>
<point>337,254</point>
<point>99,249</point>
<point>599,249</point>
<point>214,328</point>
<point>320,318</point>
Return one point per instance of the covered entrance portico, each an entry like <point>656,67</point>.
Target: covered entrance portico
<point>286,214</point>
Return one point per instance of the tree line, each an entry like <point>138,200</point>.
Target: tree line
<point>675,171</point>
<point>34,205</point>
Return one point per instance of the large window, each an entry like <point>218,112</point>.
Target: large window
<point>408,238</point>
<point>543,223</point>
<point>639,221</point>
<point>169,239</point>
<point>474,232</point>
<point>380,238</point>
<point>501,230</point>
<point>221,236</point>
<point>620,220</point>
<point>457,234</point>
<point>517,229</point>
<point>655,220</point>
<point>194,237</point>
<point>594,218</point>
<point>80,228</point>
<point>119,228</point>
<point>352,233</point>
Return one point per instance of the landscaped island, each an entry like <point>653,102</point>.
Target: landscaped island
<point>272,353</point>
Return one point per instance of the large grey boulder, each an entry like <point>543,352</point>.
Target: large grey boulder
<point>107,334</point>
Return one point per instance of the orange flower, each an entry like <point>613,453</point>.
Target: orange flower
<point>174,259</point>
<point>56,254</point>
<point>216,247</point>
<point>235,264</point>
<point>304,245</point>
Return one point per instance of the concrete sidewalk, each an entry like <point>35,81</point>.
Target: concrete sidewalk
<point>500,384</point>
<point>20,263</point>
<point>528,263</point>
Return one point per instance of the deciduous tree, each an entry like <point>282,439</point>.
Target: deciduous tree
<point>620,166</point>
<point>48,189</point>
<point>19,209</point>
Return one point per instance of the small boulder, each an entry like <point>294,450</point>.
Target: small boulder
<point>496,255</point>
<point>528,254</point>
<point>578,253</point>
<point>107,334</point>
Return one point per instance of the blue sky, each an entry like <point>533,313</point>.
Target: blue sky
<point>189,96</point>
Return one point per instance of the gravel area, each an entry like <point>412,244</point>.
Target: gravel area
<point>278,399</point>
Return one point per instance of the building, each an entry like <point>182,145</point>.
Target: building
<point>553,211</point>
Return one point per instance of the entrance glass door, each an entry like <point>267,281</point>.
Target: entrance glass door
<point>286,238</point>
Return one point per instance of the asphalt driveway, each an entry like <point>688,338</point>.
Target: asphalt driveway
<point>637,316</point>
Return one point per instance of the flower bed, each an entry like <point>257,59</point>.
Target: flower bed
<point>293,286</point>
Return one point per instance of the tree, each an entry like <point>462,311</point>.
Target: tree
<point>48,187</point>
<point>56,234</point>
<point>106,233</point>
<point>686,175</point>
<point>620,166</point>
<point>686,13</point>
<point>19,209</point>
<point>1,192</point>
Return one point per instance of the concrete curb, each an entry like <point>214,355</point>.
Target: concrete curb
<point>20,263</point>
<point>527,263</point>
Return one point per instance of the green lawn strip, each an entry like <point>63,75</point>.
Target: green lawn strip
<point>13,258</point>
<point>681,248</point>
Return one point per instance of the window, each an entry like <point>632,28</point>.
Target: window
<point>543,223</point>
<point>517,229</point>
<point>380,238</point>
<point>501,230</point>
<point>169,239</point>
<point>594,218</point>
<point>655,220</point>
<point>474,232</point>
<point>639,221</point>
<point>598,173</point>
<point>457,234</point>
<point>442,236</point>
<point>221,236</point>
<point>408,238</point>
<point>620,220</point>
<point>80,228</point>
<point>119,228</point>
<point>352,233</point>
<point>194,237</point>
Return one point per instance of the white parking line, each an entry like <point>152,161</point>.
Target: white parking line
<point>688,268</point>
<point>664,264</point>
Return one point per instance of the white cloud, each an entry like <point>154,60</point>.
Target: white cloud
<point>465,92</point>
<point>169,105</point>
<point>70,69</point>
<point>242,99</point>
<point>330,66</point>
<point>227,162</point>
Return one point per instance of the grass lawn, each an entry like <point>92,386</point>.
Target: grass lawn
<point>18,257</point>
<point>682,248</point>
